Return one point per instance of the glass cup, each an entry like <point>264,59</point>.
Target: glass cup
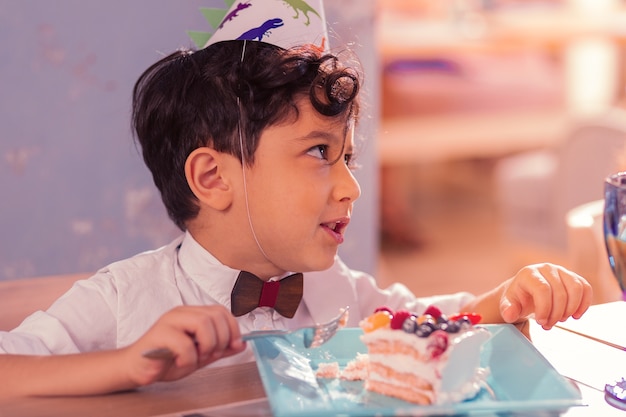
<point>615,226</point>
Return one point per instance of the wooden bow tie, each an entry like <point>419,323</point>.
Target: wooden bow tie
<point>251,292</point>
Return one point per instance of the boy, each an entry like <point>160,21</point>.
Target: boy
<point>250,145</point>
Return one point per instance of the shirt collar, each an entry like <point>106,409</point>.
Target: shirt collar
<point>213,277</point>
<point>199,265</point>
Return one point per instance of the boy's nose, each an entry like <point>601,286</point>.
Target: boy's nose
<point>347,187</point>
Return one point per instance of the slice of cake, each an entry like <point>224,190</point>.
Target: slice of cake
<point>356,369</point>
<point>327,370</point>
<point>427,359</point>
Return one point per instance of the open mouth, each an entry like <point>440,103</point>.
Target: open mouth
<point>336,226</point>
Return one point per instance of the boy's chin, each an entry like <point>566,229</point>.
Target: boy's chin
<point>321,265</point>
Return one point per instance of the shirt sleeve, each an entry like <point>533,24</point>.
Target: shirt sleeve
<point>397,296</point>
<point>81,320</point>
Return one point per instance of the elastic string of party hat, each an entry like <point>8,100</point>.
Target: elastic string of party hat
<point>243,165</point>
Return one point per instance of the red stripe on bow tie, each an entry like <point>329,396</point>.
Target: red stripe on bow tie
<point>269,294</point>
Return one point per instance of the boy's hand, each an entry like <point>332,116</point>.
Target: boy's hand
<point>550,292</point>
<point>196,335</point>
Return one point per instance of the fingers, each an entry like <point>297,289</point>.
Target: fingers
<point>551,305</point>
<point>217,336</point>
<point>213,330</point>
<point>527,293</point>
<point>510,308</point>
<point>551,292</point>
<point>585,300</point>
<point>571,295</point>
<point>170,353</point>
<point>192,337</point>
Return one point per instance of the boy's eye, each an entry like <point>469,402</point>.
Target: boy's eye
<point>350,161</point>
<point>319,151</point>
<point>331,155</point>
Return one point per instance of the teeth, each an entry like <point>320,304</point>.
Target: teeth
<point>333,226</point>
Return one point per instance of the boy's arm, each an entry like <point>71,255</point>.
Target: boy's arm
<point>549,292</point>
<point>197,335</point>
<point>78,374</point>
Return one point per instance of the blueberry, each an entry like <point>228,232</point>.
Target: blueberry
<point>424,330</point>
<point>464,323</point>
<point>430,322</point>
<point>453,327</point>
<point>409,325</point>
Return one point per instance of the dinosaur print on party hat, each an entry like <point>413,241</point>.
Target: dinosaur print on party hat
<point>233,13</point>
<point>258,33</point>
<point>285,23</point>
<point>303,7</point>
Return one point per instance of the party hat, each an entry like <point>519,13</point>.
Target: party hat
<point>284,23</point>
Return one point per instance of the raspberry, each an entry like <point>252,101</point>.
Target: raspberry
<point>384,308</point>
<point>433,311</point>
<point>398,319</point>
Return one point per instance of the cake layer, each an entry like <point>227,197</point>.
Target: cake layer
<point>413,395</point>
<point>380,372</point>
<point>407,364</point>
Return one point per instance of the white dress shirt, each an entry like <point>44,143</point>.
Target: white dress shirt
<point>118,304</point>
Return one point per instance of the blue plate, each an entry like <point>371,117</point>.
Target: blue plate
<point>521,380</point>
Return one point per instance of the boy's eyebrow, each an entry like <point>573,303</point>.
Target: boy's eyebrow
<point>330,137</point>
<point>322,134</point>
<point>319,134</point>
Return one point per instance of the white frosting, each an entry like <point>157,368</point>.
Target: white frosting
<point>467,390</point>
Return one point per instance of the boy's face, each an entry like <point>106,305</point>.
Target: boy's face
<point>299,204</point>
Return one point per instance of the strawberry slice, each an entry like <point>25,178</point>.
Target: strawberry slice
<point>474,318</point>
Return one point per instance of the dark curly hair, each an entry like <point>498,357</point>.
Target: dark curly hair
<point>191,99</point>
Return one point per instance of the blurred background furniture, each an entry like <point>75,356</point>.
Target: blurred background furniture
<point>479,100</point>
<point>535,190</point>
<point>586,250</point>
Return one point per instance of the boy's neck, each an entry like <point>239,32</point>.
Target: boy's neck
<point>240,259</point>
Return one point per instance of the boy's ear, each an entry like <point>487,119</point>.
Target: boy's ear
<point>204,172</point>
